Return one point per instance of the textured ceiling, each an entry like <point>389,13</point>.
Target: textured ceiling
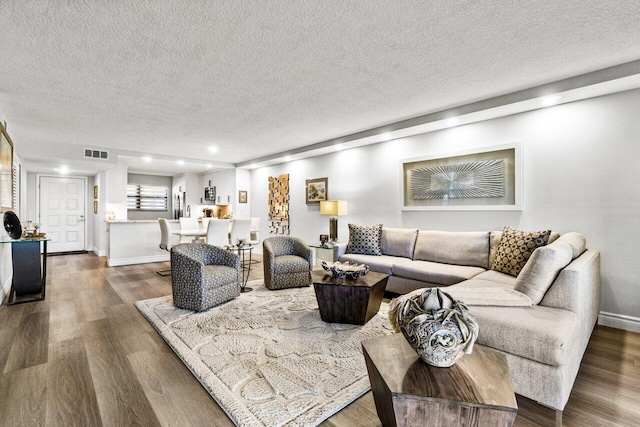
<point>259,77</point>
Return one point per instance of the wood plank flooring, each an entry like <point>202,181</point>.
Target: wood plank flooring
<point>86,357</point>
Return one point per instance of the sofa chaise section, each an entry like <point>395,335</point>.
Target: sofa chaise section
<point>544,342</point>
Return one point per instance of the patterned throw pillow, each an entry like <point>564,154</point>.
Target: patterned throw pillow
<point>515,249</point>
<point>364,240</point>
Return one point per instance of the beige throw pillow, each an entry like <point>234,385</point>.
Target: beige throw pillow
<point>543,267</point>
<point>515,249</point>
<point>398,241</point>
<point>577,242</point>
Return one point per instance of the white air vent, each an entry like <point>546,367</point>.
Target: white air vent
<point>96,154</point>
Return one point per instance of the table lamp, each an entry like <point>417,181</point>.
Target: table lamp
<point>334,208</point>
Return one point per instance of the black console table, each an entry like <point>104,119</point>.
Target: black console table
<point>29,269</point>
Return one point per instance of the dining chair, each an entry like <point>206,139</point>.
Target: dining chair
<point>241,230</point>
<point>204,222</point>
<point>188,224</point>
<point>218,232</point>
<point>254,231</point>
<point>165,241</point>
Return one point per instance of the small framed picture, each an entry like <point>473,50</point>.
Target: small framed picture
<point>95,206</point>
<point>242,196</point>
<point>316,190</point>
<point>95,191</point>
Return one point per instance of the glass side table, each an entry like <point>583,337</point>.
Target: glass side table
<point>323,253</point>
<point>29,269</point>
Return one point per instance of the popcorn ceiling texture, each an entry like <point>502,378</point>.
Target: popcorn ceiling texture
<point>255,78</point>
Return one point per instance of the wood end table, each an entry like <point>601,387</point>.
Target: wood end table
<point>348,301</point>
<point>476,391</point>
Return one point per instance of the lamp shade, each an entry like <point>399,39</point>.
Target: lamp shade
<point>333,207</point>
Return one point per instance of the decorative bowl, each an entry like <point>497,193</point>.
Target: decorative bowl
<point>439,328</point>
<point>12,225</point>
<point>349,270</point>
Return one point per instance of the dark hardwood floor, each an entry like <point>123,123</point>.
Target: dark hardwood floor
<point>86,357</point>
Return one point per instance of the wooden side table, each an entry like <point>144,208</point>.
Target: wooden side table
<point>476,391</point>
<point>348,301</point>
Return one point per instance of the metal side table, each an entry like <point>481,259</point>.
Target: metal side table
<point>245,264</point>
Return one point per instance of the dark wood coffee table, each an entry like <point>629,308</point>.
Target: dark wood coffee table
<point>476,391</point>
<point>349,301</point>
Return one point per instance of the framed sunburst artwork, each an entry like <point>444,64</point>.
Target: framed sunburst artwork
<point>485,179</point>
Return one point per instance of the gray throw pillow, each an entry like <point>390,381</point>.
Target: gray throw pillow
<point>364,240</point>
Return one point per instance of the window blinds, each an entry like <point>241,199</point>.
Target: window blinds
<point>147,197</point>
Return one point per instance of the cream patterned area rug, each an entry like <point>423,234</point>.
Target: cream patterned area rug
<point>266,357</point>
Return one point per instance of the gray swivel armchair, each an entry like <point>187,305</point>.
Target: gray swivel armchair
<point>203,276</point>
<point>287,262</point>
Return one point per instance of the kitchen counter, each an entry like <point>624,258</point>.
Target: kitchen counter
<point>128,221</point>
<point>134,242</point>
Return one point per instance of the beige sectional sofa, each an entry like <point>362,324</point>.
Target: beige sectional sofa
<point>544,341</point>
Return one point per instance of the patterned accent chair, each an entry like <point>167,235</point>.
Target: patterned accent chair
<point>203,276</point>
<point>287,262</point>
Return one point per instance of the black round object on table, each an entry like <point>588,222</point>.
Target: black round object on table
<point>12,225</point>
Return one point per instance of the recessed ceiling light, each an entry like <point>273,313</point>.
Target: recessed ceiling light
<point>550,100</point>
<point>181,162</point>
<point>453,121</point>
<point>213,149</point>
<point>287,158</point>
<point>386,136</point>
<point>339,147</point>
<point>62,169</point>
<point>147,159</point>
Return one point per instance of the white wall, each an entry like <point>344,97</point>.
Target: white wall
<point>581,170</point>
<point>99,226</point>
<point>90,217</point>
<point>115,189</point>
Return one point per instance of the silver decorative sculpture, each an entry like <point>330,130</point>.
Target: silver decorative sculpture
<point>439,328</point>
<point>349,270</point>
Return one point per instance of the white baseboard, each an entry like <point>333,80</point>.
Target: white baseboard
<point>111,262</point>
<point>619,321</point>
<point>99,252</point>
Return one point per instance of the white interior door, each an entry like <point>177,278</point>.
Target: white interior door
<point>62,206</point>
